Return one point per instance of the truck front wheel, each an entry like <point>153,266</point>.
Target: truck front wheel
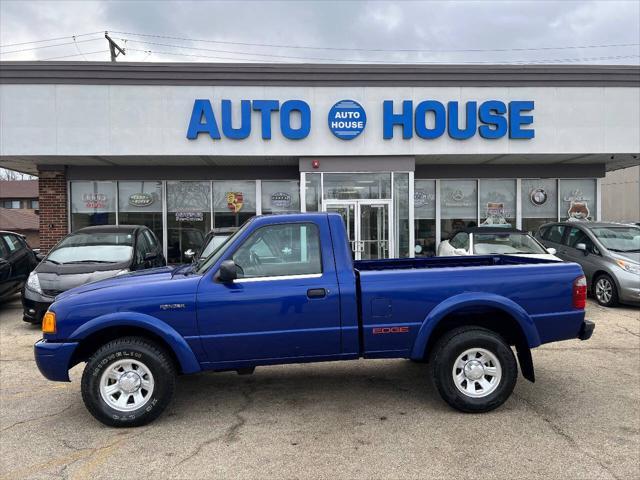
<point>474,369</point>
<point>128,382</point>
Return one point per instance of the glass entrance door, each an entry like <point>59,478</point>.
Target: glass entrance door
<point>367,223</point>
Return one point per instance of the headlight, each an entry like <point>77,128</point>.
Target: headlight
<point>629,267</point>
<point>33,283</point>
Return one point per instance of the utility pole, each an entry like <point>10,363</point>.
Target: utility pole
<point>113,46</point>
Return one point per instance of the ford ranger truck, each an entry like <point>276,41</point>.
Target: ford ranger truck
<point>284,289</point>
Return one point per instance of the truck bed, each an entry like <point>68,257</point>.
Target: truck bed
<point>446,262</point>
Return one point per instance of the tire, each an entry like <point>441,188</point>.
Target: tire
<point>487,360</point>
<point>605,291</point>
<point>128,382</point>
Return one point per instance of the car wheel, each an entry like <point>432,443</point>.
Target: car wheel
<point>474,369</point>
<point>605,291</point>
<point>128,382</point>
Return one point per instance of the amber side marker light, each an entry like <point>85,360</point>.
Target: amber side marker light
<point>49,323</point>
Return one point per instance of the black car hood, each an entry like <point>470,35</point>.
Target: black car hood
<point>55,279</point>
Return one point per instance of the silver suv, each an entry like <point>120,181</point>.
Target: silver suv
<point>609,254</point>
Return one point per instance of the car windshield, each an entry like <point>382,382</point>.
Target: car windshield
<point>206,261</point>
<point>94,247</point>
<point>618,239</point>
<point>213,244</point>
<point>505,243</point>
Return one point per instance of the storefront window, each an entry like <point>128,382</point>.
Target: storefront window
<point>498,203</point>
<point>578,199</point>
<point>539,203</point>
<point>424,202</point>
<point>313,194</point>
<point>343,186</point>
<point>234,202</point>
<point>458,206</point>
<point>189,218</point>
<point>92,203</point>
<point>401,213</point>
<point>140,203</point>
<point>280,196</point>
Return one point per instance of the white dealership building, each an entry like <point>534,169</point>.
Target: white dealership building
<point>405,153</point>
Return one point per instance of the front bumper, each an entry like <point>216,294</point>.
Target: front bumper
<point>586,330</point>
<point>53,359</point>
<point>34,306</point>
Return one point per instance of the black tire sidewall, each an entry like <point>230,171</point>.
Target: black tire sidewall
<point>448,352</point>
<point>152,357</point>
<point>614,291</point>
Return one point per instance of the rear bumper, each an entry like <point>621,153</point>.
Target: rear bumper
<point>53,359</point>
<point>586,330</point>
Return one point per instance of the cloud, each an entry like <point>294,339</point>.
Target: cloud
<point>438,26</point>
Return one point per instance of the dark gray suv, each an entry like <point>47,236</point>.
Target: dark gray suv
<point>609,254</point>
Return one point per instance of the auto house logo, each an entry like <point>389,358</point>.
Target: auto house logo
<point>347,119</point>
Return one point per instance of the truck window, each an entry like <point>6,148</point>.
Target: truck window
<point>278,250</point>
<point>460,240</point>
<point>554,233</point>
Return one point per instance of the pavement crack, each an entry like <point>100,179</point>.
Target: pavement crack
<point>557,429</point>
<point>22,422</point>
<point>635,334</point>
<point>232,432</point>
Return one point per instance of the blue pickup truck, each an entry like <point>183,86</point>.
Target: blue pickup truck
<point>284,289</point>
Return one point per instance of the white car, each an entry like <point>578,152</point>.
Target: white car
<point>492,241</point>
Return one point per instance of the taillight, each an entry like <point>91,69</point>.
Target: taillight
<point>580,292</point>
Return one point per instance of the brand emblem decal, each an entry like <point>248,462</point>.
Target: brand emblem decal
<point>538,196</point>
<point>235,200</point>
<point>141,199</point>
<point>384,330</point>
<point>172,306</point>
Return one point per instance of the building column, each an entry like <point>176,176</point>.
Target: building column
<point>52,195</point>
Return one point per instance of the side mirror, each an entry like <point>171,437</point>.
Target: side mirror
<point>582,247</point>
<point>552,250</point>
<point>228,271</point>
<point>189,254</point>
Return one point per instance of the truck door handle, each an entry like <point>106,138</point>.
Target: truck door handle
<point>316,293</point>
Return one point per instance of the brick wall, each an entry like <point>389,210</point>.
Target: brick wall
<point>52,189</point>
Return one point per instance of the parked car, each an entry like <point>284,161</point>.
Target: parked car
<point>87,255</point>
<point>284,289</point>
<point>212,241</point>
<point>609,254</point>
<point>181,242</point>
<point>16,262</point>
<point>492,241</point>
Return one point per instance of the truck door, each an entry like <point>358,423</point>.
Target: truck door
<point>285,303</point>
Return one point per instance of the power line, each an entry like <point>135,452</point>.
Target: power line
<point>74,55</point>
<point>371,61</point>
<point>48,39</point>
<point>400,50</point>
<point>49,46</point>
<point>545,61</point>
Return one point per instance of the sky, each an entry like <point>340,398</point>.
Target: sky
<point>605,32</point>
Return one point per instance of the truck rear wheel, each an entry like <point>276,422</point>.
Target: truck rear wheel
<point>128,382</point>
<point>474,369</point>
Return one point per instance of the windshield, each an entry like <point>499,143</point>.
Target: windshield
<point>618,239</point>
<point>94,247</point>
<point>505,243</point>
<point>206,261</point>
<point>213,244</point>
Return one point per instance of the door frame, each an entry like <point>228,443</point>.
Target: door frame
<point>357,203</point>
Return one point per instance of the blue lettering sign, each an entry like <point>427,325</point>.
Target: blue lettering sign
<point>245,120</point>
<point>439,115</point>
<point>347,119</point>
<point>390,119</point>
<point>265,107</point>
<point>491,113</point>
<point>202,108</point>
<point>285,119</point>
<point>454,124</point>
<point>516,119</point>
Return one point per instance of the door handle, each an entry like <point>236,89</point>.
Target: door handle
<point>316,293</point>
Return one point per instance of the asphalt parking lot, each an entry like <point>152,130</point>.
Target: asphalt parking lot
<point>361,419</point>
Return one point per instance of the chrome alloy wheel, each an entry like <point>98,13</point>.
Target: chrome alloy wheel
<point>604,290</point>
<point>126,385</point>
<point>477,372</point>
